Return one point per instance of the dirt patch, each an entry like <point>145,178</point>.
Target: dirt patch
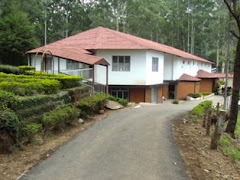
<point>13,165</point>
<point>201,162</point>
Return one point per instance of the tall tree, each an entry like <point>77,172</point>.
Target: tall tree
<point>234,9</point>
<point>16,34</point>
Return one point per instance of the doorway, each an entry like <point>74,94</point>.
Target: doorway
<point>154,95</point>
<point>171,91</point>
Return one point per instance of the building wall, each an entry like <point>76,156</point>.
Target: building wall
<point>185,88</point>
<point>137,95</point>
<point>136,75</point>
<point>154,77</point>
<point>160,94</point>
<point>175,66</point>
<point>165,91</point>
<point>206,85</point>
<point>148,95</point>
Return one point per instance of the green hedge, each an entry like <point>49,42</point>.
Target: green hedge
<point>59,118</point>
<point>24,69</point>
<point>10,123</point>
<point>8,100</point>
<point>32,87</point>
<point>66,81</point>
<point>200,108</point>
<point>123,102</point>
<point>9,69</point>
<point>197,95</point>
<point>92,104</point>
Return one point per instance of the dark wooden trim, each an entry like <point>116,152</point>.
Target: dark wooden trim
<point>107,80</point>
<point>58,65</point>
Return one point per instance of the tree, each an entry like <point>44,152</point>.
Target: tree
<point>233,8</point>
<point>16,34</point>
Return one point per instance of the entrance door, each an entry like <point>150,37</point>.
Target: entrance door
<point>171,91</point>
<point>154,95</point>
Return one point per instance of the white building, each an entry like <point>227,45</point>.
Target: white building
<point>139,70</point>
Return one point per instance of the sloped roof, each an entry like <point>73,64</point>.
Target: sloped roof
<point>204,74</point>
<point>104,38</point>
<point>76,54</point>
<point>186,77</point>
<point>223,75</point>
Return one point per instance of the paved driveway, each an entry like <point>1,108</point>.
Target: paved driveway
<point>131,144</point>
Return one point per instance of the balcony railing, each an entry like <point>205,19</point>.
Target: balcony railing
<point>84,73</point>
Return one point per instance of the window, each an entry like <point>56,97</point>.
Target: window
<point>121,63</point>
<point>188,62</point>
<point>120,93</point>
<point>71,65</point>
<point>154,64</point>
<point>183,62</point>
<point>49,63</point>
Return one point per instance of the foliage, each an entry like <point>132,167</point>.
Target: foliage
<point>121,101</point>
<point>197,95</point>
<point>16,34</point>
<point>30,129</point>
<point>23,69</point>
<point>8,100</point>
<point>92,104</point>
<point>30,87</point>
<point>59,118</point>
<point>200,108</point>
<point>221,82</point>
<point>10,123</point>
<point>224,141</point>
<point>175,101</point>
<point>9,69</point>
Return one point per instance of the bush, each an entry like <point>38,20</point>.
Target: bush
<point>31,87</point>
<point>58,118</point>
<point>8,100</point>
<point>224,141</point>
<point>30,129</point>
<point>9,69</point>
<point>197,95</point>
<point>9,122</point>
<point>205,94</point>
<point>200,108</point>
<point>93,103</point>
<point>123,102</point>
<point>24,69</point>
<point>175,101</point>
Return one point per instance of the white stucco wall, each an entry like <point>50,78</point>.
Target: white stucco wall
<point>174,67</point>
<point>154,77</point>
<point>136,75</point>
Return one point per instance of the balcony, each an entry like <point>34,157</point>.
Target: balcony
<point>86,74</point>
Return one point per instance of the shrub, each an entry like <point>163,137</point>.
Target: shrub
<point>200,108</point>
<point>175,101</point>
<point>58,118</point>
<point>9,69</point>
<point>31,87</point>
<point>93,103</point>
<point>123,102</point>
<point>30,129</point>
<point>224,141</point>
<point>195,95</point>
<point>205,94</point>
<point>10,123</point>
<point>24,69</point>
<point>8,100</point>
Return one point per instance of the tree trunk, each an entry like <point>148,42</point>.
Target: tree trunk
<point>218,130</point>
<point>205,118</point>
<point>209,121</point>
<point>235,93</point>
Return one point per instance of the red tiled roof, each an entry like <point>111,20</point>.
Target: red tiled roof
<point>76,54</point>
<point>223,75</point>
<point>204,74</point>
<point>104,38</point>
<point>186,77</point>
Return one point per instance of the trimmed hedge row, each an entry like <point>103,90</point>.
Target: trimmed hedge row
<point>9,69</point>
<point>200,108</point>
<point>31,87</point>
<point>121,101</point>
<point>60,117</point>
<point>92,104</point>
<point>66,81</point>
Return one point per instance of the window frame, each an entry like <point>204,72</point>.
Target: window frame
<point>119,92</point>
<point>123,66</point>
<point>72,65</point>
<point>155,64</point>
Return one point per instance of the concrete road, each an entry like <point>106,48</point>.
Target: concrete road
<point>131,144</point>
